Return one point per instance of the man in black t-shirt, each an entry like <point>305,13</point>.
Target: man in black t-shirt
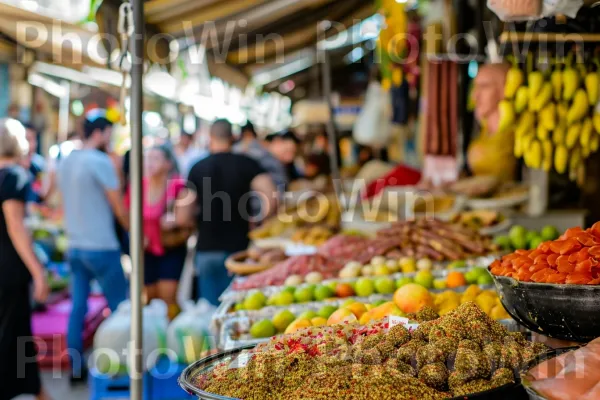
<point>223,187</point>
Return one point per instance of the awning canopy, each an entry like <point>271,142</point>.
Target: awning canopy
<point>249,38</point>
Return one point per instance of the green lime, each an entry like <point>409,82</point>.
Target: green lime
<point>364,287</point>
<point>439,284</point>
<point>304,295</point>
<point>385,286</point>
<point>323,292</point>
<point>403,281</point>
<point>255,301</point>
<point>517,231</point>
<point>289,289</point>
<point>519,242</point>
<point>425,279</point>
<point>284,299</point>
<point>504,242</point>
<point>326,311</point>
<point>472,276</point>
<point>549,232</point>
<point>535,242</point>
<point>283,319</point>
<point>309,314</point>
<point>239,307</point>
<point>332,285</point>
<point>485,280</point>
<point>262,329</point>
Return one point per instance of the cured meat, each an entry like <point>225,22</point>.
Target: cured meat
<point>453,83</point>
<point>298,265</point>
<point>444,109</point>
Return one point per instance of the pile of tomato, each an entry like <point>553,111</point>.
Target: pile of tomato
<point>574,258</point>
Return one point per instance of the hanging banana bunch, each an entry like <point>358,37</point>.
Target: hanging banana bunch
<point>391,44</point>
<point>554,113</point>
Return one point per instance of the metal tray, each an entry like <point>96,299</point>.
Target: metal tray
<point>514,391</point>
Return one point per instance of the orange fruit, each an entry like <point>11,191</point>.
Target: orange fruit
<point>455,280</point>
<point>344,290</point>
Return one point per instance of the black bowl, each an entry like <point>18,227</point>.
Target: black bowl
<point>566,312</point>
<point>513,391</point>
<point>533,395</point>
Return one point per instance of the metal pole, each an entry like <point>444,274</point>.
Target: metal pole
<point>136,231</point>
<point>64,112</point>
<point>331,131</point>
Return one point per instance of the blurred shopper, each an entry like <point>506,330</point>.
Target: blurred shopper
<point>188,153</point>
<point>223,185</point>
<point>18,266</point>
<point>163,261</point>
<point>284,146</point>
<point>250,146</point>
<point>91,195</point>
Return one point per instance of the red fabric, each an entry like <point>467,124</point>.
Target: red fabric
<point>154,212</point>
<point>402,175</point>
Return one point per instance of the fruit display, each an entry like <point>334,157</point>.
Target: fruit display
<point>313,236</point>
<point>314,210</point>
<point>458,354</point>
<point>519,238</point>
<point>572,259</point>
<point>408,299</point>
<point>553,117</point>
<point>293,271</point>
<point>573,375</point>
<point>433,239</point>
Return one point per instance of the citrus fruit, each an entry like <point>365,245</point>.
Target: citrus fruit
<point>424,278</point>
<point>255,301</point>
<point>455,280</point>
<point>385,286</point>
<point>504,242</point>
<point>485,279</point>
<point>283,319</point>
<point>549,232</point>
<point>303,295</point>
<point>283,299</point>
<point>262,329</point>
<point>318,321</point>
<point>365,287</point>
<point>439,284</point>
<point>403,281</point>
<point>381,270</point>
<point>323,292</point>
<point>308,315</point>
<point>457,264</point>
<point>344,290</point>
<point>412,297</point>
<point>326,311</point>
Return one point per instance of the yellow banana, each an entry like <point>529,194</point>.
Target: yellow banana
<point>592,87</point>
<point>535,82</point>
<point>594,143</point>
<point>556,78</point>
<point>585,137</point>
<point>518,148</point>
<point>526,143</point>
<point>525,124</point>
<point>548,153</point>
<point>514,80</point>
<point>521,99</point>
<point>547,117</point>
<point>572,135</point>
<point>570,83</point>
<point>562,110</point>
<point>541,132</point>
<point>561,157</point>
<point>559,134</point>
<point>534,154</point>
<point>580,107</point>
<point>597,122</point>
<point>543,97</point>
<point>507,116</point>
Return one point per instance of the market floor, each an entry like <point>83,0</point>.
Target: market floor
<point>60,389</point>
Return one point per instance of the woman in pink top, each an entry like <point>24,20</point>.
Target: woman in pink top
<point>161,187</point>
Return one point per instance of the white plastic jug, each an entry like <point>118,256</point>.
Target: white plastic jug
<point>188,335</point>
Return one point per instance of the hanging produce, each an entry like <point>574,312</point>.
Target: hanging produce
<point>442,109</point>
<point>552,113</point>
<point>391,44</point>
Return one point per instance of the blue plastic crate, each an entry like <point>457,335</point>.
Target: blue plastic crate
<point>117,387</point>
<point>164,380</point>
